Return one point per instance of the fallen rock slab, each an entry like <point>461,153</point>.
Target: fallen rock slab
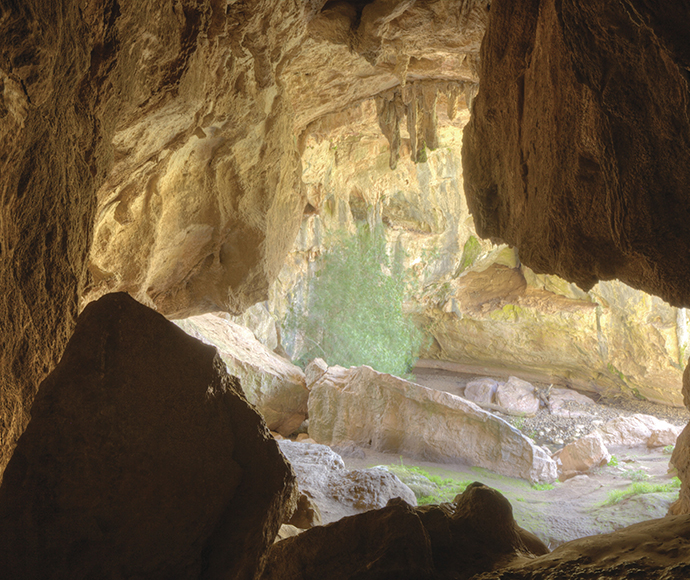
<point>274,385</point>
<point>582,455</point>
<point>142,459</point>
<point>639,429</point>
<point>390,414</point>
<point>337,491</point>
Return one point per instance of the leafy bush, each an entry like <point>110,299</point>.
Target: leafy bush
<point>353,314</point>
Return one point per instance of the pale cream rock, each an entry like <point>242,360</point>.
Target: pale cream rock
<point>481,391</point>
<point>569,403</point>
<point>314,371</point>
<point>517,397</point>
<point>337,491</point>
<point>637,430</point>
<point>275,386</point>
<point>391,414</point>
<point>582,455</point>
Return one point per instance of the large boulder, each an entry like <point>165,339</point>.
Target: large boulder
<point>582,455</point>
<point>274,385</point>
<point>142,459</point>
<point>639,429</point>
<point>390,414</point>
<point>517,397</point>
<point>474,534</point>
<point>569,403</point>
<point>337,491</point>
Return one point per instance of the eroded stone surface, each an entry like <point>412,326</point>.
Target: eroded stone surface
<point>657,549</point>
<point>142,459</point>
<point>457,540</point>
<point>561,145</point>
<point>390,414</point>
<point>340,492</point>
<point>274,385</point>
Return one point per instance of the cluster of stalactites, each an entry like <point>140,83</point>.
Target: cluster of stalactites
<point>417,102</point>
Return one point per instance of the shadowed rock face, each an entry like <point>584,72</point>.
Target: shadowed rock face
<point>142,460</point>
<point>475,533</point>
<point>578,149</point>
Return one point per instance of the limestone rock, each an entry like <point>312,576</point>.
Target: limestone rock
<point>337,491</point>
<point>481,391</point>
<point>656,549</point>
<point>142,459</point>
<point>517,397</point>
<point>306,514</point>
<point>287,531</point>
<point>637,429</point>
<point>569,403</point>
<point>582,455</point>
<point>474,534</point>
<point>390,414</point>
<point>275,386</point>
<point>680,458</point>
<point>551,165</point>
<point>386,543</point>
<point>314,371</point>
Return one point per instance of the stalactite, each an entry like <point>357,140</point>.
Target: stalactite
<point>390,109</point>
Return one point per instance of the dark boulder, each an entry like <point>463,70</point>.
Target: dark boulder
<point>142,459</point>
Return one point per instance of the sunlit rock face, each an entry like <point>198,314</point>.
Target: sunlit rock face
<point>477,302</point>
<point>579,148</point>
<point>163,138</point>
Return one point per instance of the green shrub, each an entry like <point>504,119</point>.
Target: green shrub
<point>613,462</point>
<point>636,474</point>
<point>354,311</point>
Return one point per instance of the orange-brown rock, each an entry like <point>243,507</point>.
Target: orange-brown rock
<point>142,460</point>
<point>578,151</point>
<point>654,550</point>
<point>474,534</point>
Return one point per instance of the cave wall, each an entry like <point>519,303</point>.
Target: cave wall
<point>153,147</point>
<point>578,149</point>
<point>99,96</point>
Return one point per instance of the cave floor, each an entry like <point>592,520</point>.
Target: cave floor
<point>572,509</point>
<point>580,506</point>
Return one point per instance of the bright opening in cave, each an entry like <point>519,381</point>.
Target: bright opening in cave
<point>388,271</point>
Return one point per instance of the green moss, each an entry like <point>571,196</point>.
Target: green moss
<point>446,488</point>
<point>543,486</point>
<point>639,488</point>
<point>470,252</point>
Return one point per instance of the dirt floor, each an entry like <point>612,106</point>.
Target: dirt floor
<point>580,506</point>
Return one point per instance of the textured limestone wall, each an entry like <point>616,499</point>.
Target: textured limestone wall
<point>118,99</point>
<point>476,301</point>
<point>161,139</point>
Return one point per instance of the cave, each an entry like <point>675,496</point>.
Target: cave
<point>155,164</point>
